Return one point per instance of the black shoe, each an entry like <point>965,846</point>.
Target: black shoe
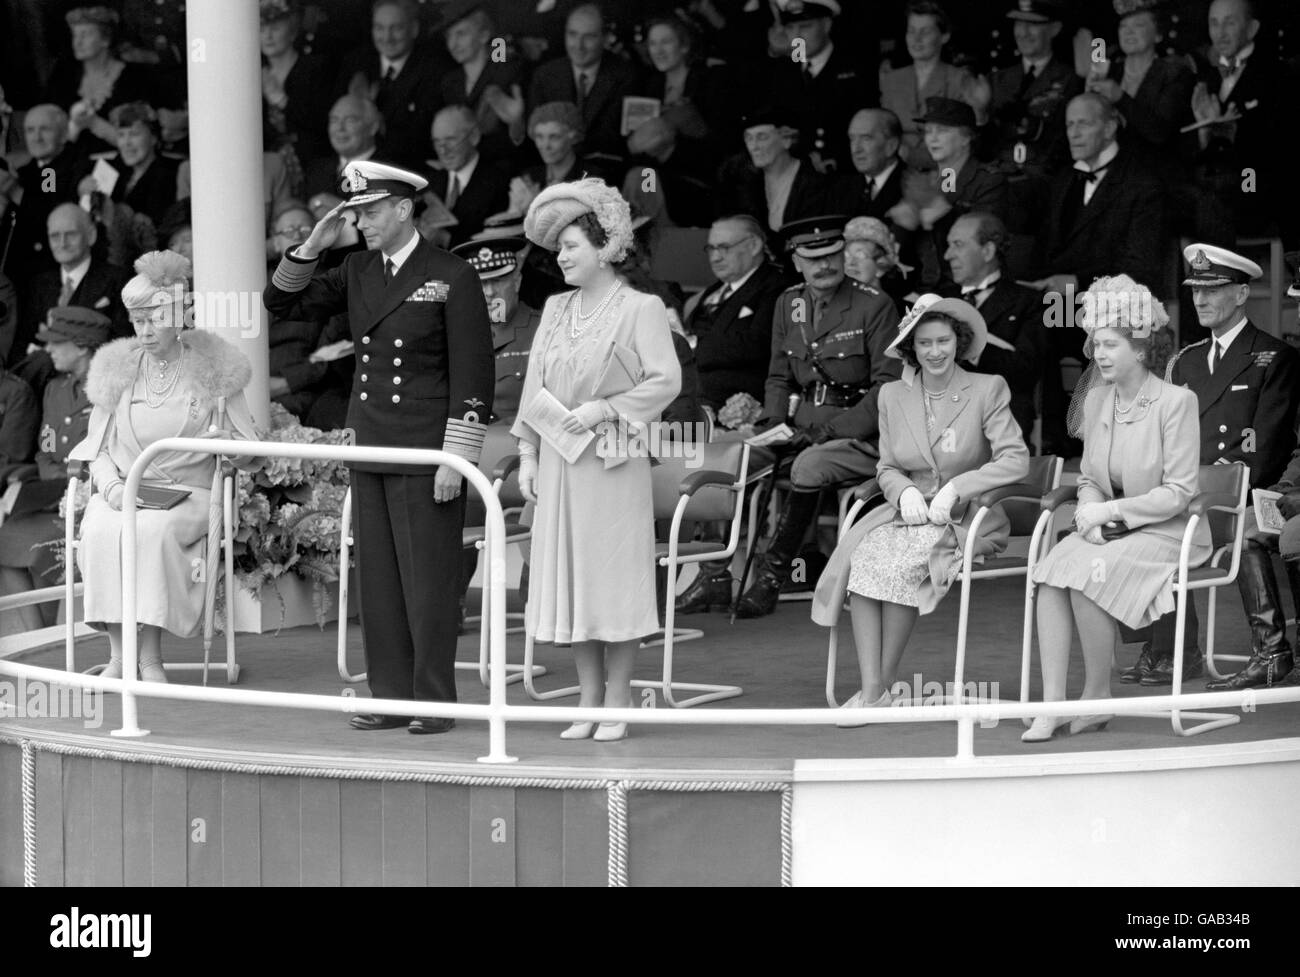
<point>429,726</point>
<point>371,721</point>
<point>1292,677</point>
<point>1162,672</point>
<point>1260,672</point>
<point>1146,661</point>
<point>463,611</point>
<point>709,591</point>
<point>761,598</point>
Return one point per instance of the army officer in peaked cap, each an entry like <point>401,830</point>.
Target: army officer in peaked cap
<point>829,337</point>
<point>423,380</point>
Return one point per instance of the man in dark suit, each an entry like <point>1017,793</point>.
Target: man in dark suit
<point>1026,130</point>
<point>493,89</point>
<point>424,380</point>
<point>79,279</point>
<point>821,82</point>
<point>1105,217</point>
<point>400,77</point>
<point>976,254</point>
<point>472,186</point>
<point>1248,385</point>
<point>828,364</point>
<point>730,326</point>
<point>1234,80</point>
<point>591,78</point>
<point>354,123</point>
<point>34,189</point>
<point>875,184</point>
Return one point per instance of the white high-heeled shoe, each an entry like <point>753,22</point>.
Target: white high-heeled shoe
<point>610,732</point>
<point>152,670</point>
<point>1044,728</point>
<point>858,701</point>
<point>578,731</point>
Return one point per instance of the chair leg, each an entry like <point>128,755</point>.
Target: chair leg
<point>1211,720</point>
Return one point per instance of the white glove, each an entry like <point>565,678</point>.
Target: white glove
<point>584,417</point>
<point>911,504</point>
<point>941,505</point>
<point>528,476</point>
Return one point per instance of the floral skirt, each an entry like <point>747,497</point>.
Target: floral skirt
<point>892,562</point>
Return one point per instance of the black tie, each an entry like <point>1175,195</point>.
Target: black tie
<point>1216,355</point>
<point>1025,82</point>
<point>390,270</point>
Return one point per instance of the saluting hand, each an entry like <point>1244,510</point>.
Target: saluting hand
<point>326,233</point>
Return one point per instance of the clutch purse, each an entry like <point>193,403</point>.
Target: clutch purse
<point>1115,530</point>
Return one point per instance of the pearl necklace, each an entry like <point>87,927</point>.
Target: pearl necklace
<point>157,391</point>
<point>1139,401</point>
<point>930,398</point>
<point>578,322</point>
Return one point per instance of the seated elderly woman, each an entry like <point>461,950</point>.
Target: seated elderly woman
<point>169,381</point>
<point>871,257</point>
<point>946,436</point>
<point>1141,450</point>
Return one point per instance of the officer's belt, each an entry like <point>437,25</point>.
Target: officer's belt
<point>832,395</point>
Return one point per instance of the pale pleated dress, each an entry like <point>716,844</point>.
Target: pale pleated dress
<point>1130,578</point>
<point>170,543</point>
<point>591,567</point>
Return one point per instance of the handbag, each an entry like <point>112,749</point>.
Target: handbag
<point>1115,530</point>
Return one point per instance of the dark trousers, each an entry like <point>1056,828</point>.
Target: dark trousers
<point>409,567</point>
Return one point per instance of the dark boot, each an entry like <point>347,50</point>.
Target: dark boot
<point>1146,661</point>
<point>1162,648</point>
<point>1293,578</point>
<point>1270,658</point>
<point>761,597</point>
<point>710,590</point>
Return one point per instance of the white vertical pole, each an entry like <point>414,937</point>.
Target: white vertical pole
<point>225,90</point>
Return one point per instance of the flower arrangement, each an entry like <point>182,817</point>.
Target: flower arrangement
<point>739,411</point>
<point>289,514</point>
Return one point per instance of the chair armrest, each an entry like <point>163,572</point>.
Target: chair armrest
<point>1056,498</point>
<point>868,489</point>
<point>1021,491</point>
<point>1206,501</point>
<point>695,481</point>
<point>506,467</point>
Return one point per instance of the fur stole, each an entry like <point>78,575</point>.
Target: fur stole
<point>213,368</point>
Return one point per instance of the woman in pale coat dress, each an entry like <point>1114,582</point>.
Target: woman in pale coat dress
<point>605,351</point>
<point>169,381</point>
<point>946,436</point>
<point>1141,458</point>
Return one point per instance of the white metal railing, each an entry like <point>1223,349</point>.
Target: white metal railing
<point>497,712</point>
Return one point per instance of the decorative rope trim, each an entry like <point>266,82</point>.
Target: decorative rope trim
<point>617,798</point>
<point>29,815</point>
<point>616,792</point>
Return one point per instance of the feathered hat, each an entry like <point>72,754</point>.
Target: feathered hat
<point>558,206</point>
<point>162,278</point>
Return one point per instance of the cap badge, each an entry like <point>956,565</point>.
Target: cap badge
<point>356,181</point>
<point>1200,262</point>
<point>485,254</point>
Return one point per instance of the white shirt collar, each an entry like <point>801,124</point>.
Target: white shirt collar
<point>739,282</point>
<point>1225,341</point>
<point>988,281</point>
<point>465,173</point>
<point>1038,65</point>
<point>76,273</point>
<point>397,66</point>
<point>818,62</point>
<point>1104,158</point>
<point>878,181</point>
<point>1241,57</point>
<point>399,258</point>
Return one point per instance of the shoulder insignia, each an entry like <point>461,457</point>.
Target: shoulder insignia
<point>791,288</point>
<point>869,289</point>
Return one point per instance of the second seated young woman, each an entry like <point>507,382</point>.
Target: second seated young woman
<point>1141,456</point>
<point>946,436</point>
<point>605,352</point>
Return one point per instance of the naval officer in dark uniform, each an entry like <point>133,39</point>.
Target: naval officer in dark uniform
<point>829,337</point>
<point>1248,384</point>
<point>423,380</point>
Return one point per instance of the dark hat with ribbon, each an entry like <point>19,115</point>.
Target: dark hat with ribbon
<point>1038,11</point>
<point>948,112</point>
<point>75,324</point>
<point>493,258</point>
<point>794,11</point>
<point>815,237</point>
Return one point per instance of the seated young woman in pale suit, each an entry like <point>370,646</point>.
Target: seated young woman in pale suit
<point>1141,457</point>
<point>946,436</point>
